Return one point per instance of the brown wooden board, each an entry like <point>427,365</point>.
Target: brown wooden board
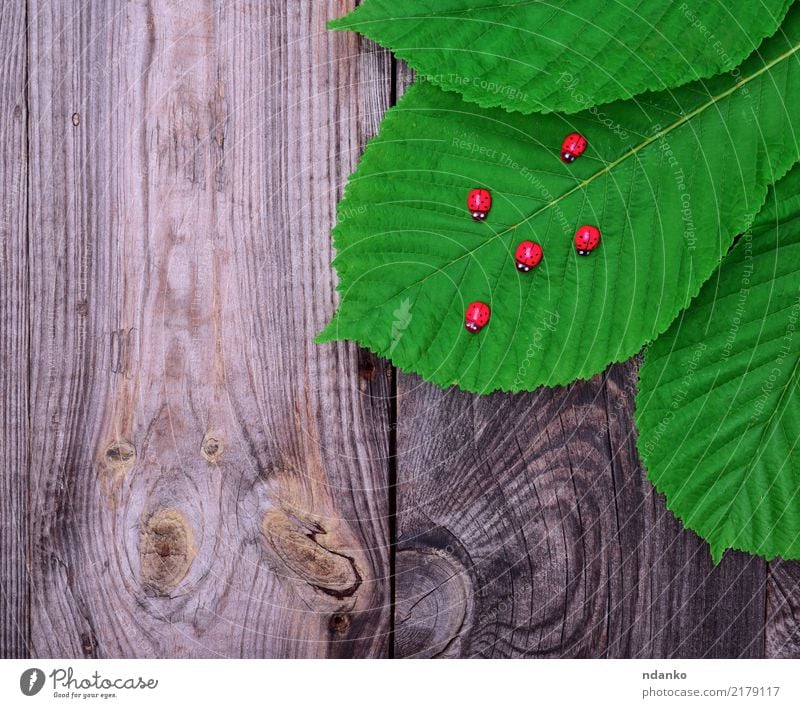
<point>783,610</point>
<point>187,474</point>
<point>205,481</point>
<point>526,528</point>
<point>14,328</point>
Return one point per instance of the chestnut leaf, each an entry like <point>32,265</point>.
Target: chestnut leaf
<point>718,408</point>
<point>669,178</point>
<point>565,55</point>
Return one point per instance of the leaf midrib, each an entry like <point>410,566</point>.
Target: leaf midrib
<point>680,121</point>
<point>789,383</point>
<point>657,136</point>
<point>632,152</point>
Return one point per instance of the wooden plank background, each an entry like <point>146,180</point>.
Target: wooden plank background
<point>187,474</point>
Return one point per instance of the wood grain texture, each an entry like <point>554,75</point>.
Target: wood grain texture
<point>205,481</point>
<point>783,610</point>
<point>527,529</point>
<point>187,474</point>
<point>14,630</point>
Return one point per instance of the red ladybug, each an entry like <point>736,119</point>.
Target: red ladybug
<point>587,238</point>
<point>528,256</point>
<point>477,316</point>
<point>479,202</point>
<point>572,147</point>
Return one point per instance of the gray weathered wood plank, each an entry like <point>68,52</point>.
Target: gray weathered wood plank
<point>783,610</point>
<point>526,528</point>
<point>205,480</point>
<point>14,629</point>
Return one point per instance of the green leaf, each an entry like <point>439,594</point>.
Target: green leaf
<point>565,55</point>
<point>719,404</point>
<point>668,202</point>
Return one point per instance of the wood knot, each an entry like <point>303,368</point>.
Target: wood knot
<point>88,643</point>
<point>120,455</point>
<point>434,593</point>
<point>212,447</point>
<point>340,622</point>
<point>76,119</point>
<point>301,547</point>
<point>166,550</point>
<point>367,365</point>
